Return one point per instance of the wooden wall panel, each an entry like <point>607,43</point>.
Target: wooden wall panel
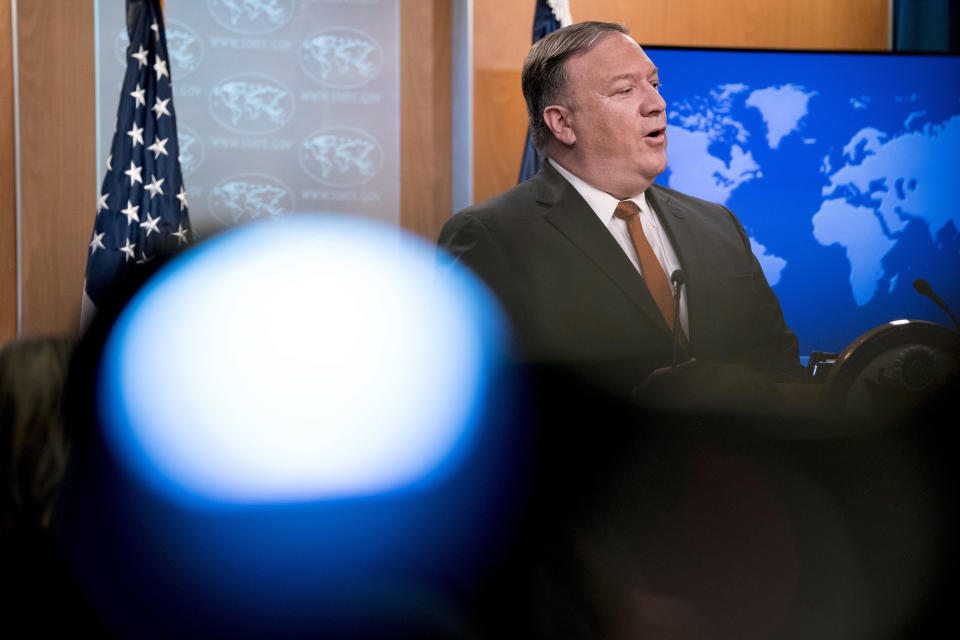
<point>503,30</point>
<point>499,130</point>
<point>775,24</point>
<point>8,194</point>
<point>425,120</point>
<point>57,149</point>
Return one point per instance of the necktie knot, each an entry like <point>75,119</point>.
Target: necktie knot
<point>626,209</point>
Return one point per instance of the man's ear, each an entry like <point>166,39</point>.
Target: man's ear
<point>559,120</point>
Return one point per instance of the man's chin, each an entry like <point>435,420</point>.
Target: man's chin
<point>652,172</point>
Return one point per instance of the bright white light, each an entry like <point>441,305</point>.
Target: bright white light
<point>318,357</point>
<point>899,322</point>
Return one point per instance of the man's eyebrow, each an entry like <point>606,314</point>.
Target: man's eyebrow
<point>629,76</point>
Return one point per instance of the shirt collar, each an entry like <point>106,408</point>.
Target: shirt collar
<point>602,203</point>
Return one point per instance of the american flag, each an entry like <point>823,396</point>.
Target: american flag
<point>548,16</point>
<point>142,207</point>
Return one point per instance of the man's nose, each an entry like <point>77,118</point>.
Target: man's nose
<point>653,103</point>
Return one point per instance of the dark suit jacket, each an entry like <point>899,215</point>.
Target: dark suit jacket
<point>576,300</point>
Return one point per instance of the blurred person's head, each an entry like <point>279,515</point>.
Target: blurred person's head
<point>33,447</point>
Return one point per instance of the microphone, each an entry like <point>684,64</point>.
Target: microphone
<point>677,278</point>
<point>923,288</point>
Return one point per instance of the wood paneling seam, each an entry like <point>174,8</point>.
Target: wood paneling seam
<point>15,59</point>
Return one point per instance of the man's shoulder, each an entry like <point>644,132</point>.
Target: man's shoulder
<point>515,201</point>
<point>505,215</point>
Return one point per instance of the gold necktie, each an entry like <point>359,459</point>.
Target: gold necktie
<point>653,273</point>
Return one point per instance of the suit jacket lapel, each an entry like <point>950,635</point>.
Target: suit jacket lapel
<point>572,217</point>
<point>684,239</point>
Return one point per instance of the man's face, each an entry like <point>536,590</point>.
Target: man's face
<point>620,118</point>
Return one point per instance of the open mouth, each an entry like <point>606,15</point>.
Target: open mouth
<point>656,133</point>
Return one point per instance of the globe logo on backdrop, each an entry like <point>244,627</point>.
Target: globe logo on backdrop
<point>191,149</point>
<point>340,57</point>
<point>341,156</point>
<point>251,17</point>
<point>250,196</point>
<point>251,103</point>
<point>184,46</point>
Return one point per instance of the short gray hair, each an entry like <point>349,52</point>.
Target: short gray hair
<point>543,78</point>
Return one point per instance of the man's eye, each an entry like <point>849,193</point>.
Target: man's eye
<point>658,86</point>
<point>626,90</point>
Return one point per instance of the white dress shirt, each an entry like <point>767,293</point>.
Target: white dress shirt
<point>603,204</point>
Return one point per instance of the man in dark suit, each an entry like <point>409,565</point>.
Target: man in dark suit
<point>582,254</point>
<point>582,258</point>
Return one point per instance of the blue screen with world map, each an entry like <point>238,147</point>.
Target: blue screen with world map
<point>842,167</point>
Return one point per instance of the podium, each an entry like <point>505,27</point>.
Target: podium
<point>890,371</point>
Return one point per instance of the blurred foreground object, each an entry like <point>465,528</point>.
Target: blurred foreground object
<point>34,446</point>
<point>291,433</point>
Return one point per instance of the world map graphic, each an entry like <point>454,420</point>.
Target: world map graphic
<point>843,169</point>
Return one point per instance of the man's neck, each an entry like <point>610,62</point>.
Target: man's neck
<point>568,162</point>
